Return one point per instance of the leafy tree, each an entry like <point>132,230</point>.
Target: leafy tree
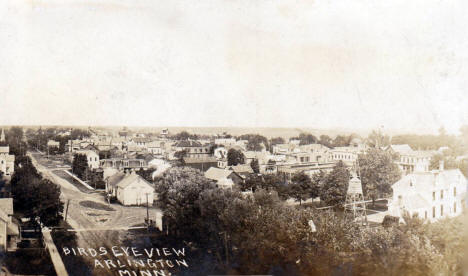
<point>305,139</point>
<point>255,142</point>
<point>146,174</point>
<point>378,173</point>
<point>255,166</point>
<point>342,141</point>
<point>335,185</point>
<point>277,140</point>
<point>180,154</point>
<point>302,188</point>
<point>377,139</point>
<point>34,196</point>
<point>449,162</point>
<point>235,157</point>
<point>80,165</point>
<point>179,190</point>
<point>326,141</point>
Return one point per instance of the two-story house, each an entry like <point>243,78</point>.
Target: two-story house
<point>431,195</point>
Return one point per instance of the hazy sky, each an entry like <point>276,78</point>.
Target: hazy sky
<point>324,64</point>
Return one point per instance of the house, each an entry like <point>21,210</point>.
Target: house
<point>130,189</point>
<point>348,155</point>
<point>243,170</point>
<point>92,158</point>
<point>123,163</point>
<point>53,144</point>
<point>156,147</point>
<point>430,195</point>
<point>140,142</point>
<point>225,141</point>
<point>310,169</point>
<point>408,159</point>
<point>220,152</point>
<point>200,163</point>
<point>193,148</point>
<point>164,132</point>
<point>224,178</point>
<point>9,230</point>
<point>7,161</point>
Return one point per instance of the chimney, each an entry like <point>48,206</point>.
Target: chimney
<point>441,165</point>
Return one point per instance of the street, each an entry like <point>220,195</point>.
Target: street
<point>89,211</point>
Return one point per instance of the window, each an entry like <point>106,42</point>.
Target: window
<point>454,207</point>
<point>425,214</point>
<point>433,195</point>
<point>441,194</point>
<point>454,191</point>
<point>441,210</point>
<point>433,212</point>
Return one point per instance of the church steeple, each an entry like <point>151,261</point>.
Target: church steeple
<point>2,136</point>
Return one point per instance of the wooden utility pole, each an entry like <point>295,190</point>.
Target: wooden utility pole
<point>66,210</point>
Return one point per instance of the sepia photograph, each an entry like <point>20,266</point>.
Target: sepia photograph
<point>233,137</point>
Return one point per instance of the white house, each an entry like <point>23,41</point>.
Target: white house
<point>430,195</point>
<point>130,189</point>
<point>91,156</point>
<point>7,161</point>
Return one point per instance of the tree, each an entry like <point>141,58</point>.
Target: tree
<point>34,196</point>
<point>255,166</point>
<point>377,139</point>
<point>378,173</point>
<point>449,162</point>
<point>255,142</point>
<point>80,165</point>
<point>302,188</point>
<point>180,154</point>
<point>305,139</point>
<point>277,140</point>
<point>235,157</point>
<point>146,174</point>
<point>335,185</point>
<point>326,141</point>
<point>179,190</point>
<point>342,141</point>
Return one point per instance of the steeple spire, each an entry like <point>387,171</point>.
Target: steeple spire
<point>2,136</point>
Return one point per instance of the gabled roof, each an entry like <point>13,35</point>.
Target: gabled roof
<point>217,174</point>
<point>195,160</point>
<point>188,143</point>
<point>141,140</point>
<point>130,179</point>
<point>242,168</point>
<point>6,205</point>
<point>401,149</point>
<point>421,181</point>
<point>123,180</point>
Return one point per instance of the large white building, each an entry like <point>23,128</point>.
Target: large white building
<point>431,195</point>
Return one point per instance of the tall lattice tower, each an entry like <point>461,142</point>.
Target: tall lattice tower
<point>355,204</point>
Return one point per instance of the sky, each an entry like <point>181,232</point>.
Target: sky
<point>363,64</point>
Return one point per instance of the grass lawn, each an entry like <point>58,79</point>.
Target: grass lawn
<point>96,205</point>
<point>73,181</point>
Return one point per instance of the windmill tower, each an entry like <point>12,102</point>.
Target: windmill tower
<point>355,204</point>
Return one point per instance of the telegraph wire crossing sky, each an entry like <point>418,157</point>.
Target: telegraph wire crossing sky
<point>318,64</point>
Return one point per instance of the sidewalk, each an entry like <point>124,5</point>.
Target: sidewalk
<point>54,255</point>
<point>79,180</point>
